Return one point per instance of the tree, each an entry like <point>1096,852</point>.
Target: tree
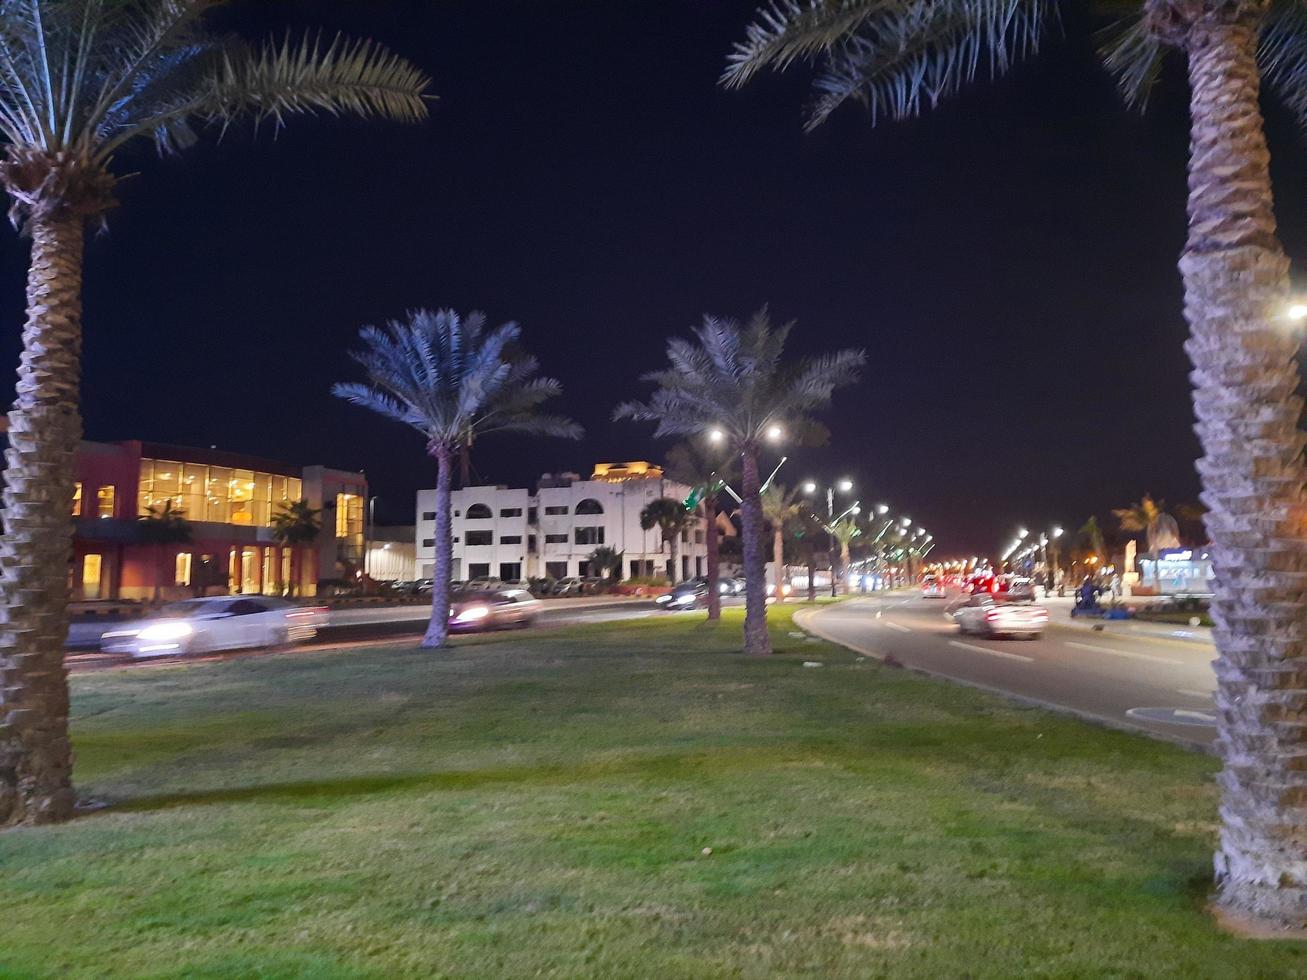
<point>1160,530</point>
<point>844,531</point>
<point>294,525</point>
<point>452,380</point>
<point>734,382</point>
<point>1090,537</point>
<point>671,518</point>
<point>163,524</point>
<point>780,507</point>
<point>704,468</point>
<point>606,563</point>
<point>897,56</point>
<point>80,80</point>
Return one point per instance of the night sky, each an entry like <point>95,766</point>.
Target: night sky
<point>1008,261</point>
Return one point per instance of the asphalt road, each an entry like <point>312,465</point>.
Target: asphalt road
<point>1156,684</point>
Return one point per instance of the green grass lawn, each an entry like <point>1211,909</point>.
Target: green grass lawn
<point>540,805</point>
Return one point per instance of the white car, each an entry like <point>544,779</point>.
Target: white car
<point>981,614</point>
<point>932,589</point>
<point>218,623</point>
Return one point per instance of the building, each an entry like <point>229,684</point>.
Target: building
<point>229,500</point>
<point>513,534</point>
<point>390,555</point>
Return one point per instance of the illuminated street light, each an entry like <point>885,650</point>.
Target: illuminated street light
<point>1057,533</point>
<point>1021,534</point>
<point>774,433</point>
<point>716,435</point>
<point>882,509</point>
<point>810,487</point>
<point>1297,312</point>
<point>906,522</point>
<point>845,485</point>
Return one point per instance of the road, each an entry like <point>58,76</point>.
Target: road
<point>373,623</point>
<point>1154,683</point>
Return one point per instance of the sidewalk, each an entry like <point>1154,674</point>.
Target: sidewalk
<point>1059,614</point>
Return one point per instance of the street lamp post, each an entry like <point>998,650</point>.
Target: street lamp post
<point>844,486</point>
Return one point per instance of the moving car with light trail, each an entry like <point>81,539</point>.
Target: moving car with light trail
<point>493,610</point>
<point>690,594</point>
<point>981,614</point>
<point>932,588</point>
<point>196,626</point>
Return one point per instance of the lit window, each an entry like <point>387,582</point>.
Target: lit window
<point>104,502</point>
<point>91,568</point>
<point>182,569</point>
<point>77,499</point>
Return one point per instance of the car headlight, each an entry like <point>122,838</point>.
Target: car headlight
<point>684,599</point>
<point>663,599</point>
<point>472,613</point>
<point>174,630</point>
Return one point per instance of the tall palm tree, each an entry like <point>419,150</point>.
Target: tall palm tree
<point>733,382</point>
<point>80,80</point>
<point>451,379</point>
<point>780,507</point>
<point>294,524</point>
<point>895,56</point>
<point>160,525</point>
<point>671,518</point>
<point>704,468</point>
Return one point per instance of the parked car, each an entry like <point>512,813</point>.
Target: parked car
<point>483,584</point>
<point>523,584</point>
<point>422,587</point>
<point>492,610</point>
<point>571,585</point>
<point>217,623</point>
<point>690,594</point>
<point>982,614</point>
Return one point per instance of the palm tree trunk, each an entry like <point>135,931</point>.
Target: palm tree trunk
<point>713,561</point>
<point>674,546</point>
<point>1245,376</point>
<point>844,566</point>
<point>44,428</point>
<point>756,639</point>
<point>438,629</point>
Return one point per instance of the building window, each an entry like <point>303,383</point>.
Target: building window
<point>428,542</point>
<point>589,535</point>
<point>181,573</point>
<point>104,502</point>
<point>77,499</point>
<point>531,543</point>
<point>510,512</point>
<point>589,506</point>
<point>555,539</point>
<point>92,566</point>
<point>479,538</point>
<point>556,569</point>
<point>510,539</point>
<point>555,511</point>
<point>510,571</point>
<point>428,515</point>
<point>698,537</point>
<point>216,494</point>
<point>531,516</point>
<point>478,569</point>
<point>479,512</point>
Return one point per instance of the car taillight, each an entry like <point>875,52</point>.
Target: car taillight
<point>992,614</point>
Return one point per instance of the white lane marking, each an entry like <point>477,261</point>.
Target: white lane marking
<point>993,653</point>
<point>896,626</point>
<point>1207,695</point>
<point>1129,655</point>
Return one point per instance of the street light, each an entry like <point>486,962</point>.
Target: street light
<point>775,432</point>
<point>882,509</point>
<point>1297,312</point>
<point>716,435</point>
<point>844,485</point>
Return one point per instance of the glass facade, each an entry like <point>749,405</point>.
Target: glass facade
<point>349,527</point>
<point>218,494</point>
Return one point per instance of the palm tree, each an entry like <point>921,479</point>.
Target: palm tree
<point>734,383</point>
<point>294,525</point>
<point>844,531</point>
<point>704,468</point>
<point>780,507</point>
<point>895,56</point>
<point>606,563</point>
<point>671,518</point>
<point>1090,537</point>
<point>80,80</point>
<point>163,524</point>
<point>1160,530</point>
<point>453,380</point>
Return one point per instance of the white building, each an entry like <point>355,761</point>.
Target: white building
<point>512,534</point>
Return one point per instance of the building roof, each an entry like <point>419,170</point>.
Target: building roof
<point>620,472</point>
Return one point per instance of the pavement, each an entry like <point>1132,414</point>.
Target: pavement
<point>1140,679</point>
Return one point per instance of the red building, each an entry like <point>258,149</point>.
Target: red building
<point>229,500</point>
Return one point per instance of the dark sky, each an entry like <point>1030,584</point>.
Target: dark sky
<point>1008,261</point>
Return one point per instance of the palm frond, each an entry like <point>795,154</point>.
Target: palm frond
<point>1282,54</point>
<point>1133,55</point>
<point>786,31</point>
